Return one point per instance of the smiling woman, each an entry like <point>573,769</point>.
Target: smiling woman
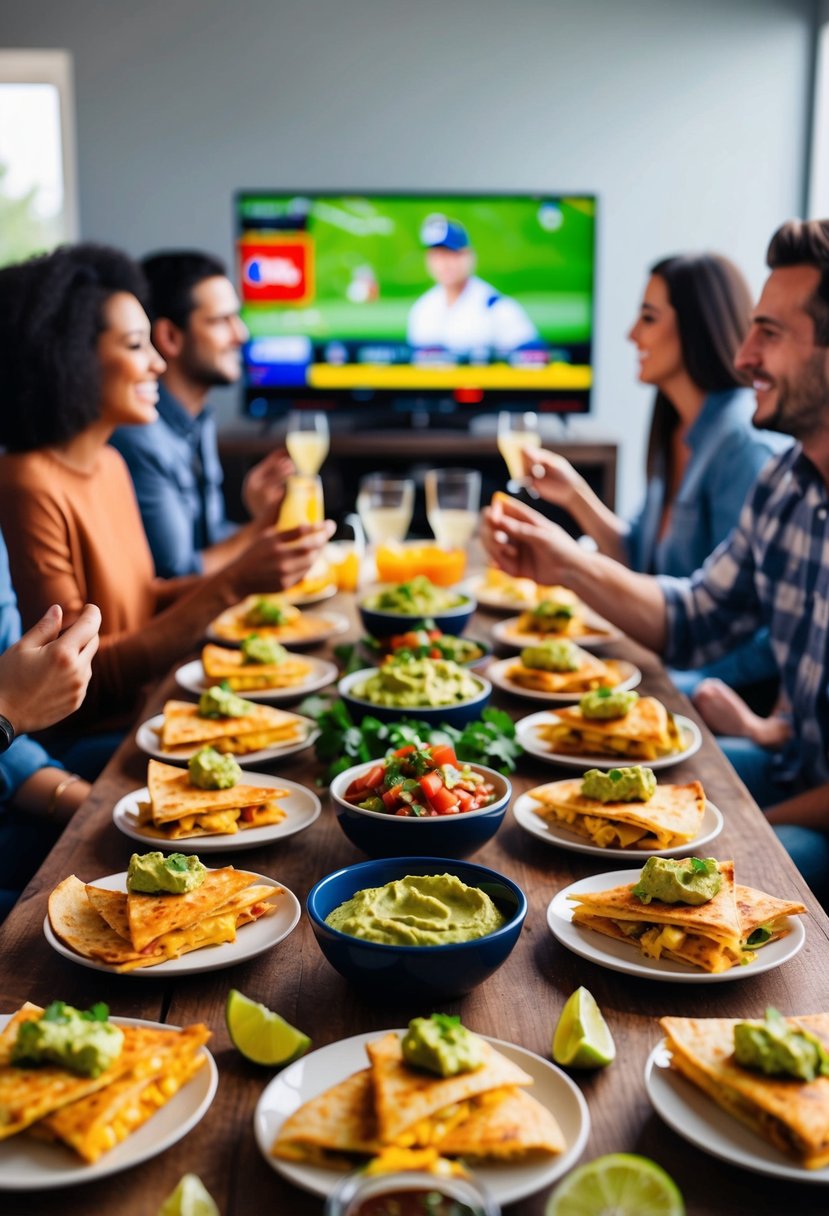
<point>76,361</point>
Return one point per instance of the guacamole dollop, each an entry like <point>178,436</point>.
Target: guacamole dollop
<point>778,1048</point>
<point>552,616</point>
<point>218,702</point>
<point>266,611</point>
<point>604,703</point>
<point>82,1041</point>
<point>418,910</point>
<point>418,597</point>
<point>212,770</point>
<point>420,682</point>
<point>440,1044</point>
<point>633,784</point>
<point>693,880</point>
<point>155,874</point>
<point>557,655</point>
<point>262,650</point>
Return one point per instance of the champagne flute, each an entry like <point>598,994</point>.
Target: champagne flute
<point>307,440</point>
<point>453,501</point>
<point>515,433</point>
<point>385,505</point>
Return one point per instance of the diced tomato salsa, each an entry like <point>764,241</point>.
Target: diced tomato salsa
<point>421,781</point>
<point>431,643</point>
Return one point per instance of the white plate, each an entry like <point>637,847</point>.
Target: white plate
<point>27,1164</point>
<point>503,632</point>
<point>619,956</point>
<point>192,678</point>
<point>315,1073</point>
<point>329,626</point>
<point>556,833</point>
<point>498,674</point>
<point>525,733</point>
<point>252,939</point>
<point>698,1119</point>
<point>500,601</point>
<point>148,739</point>
<point>294,596</point>
<point>301,806</point>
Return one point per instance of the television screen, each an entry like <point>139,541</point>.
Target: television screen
<point>427,301</point>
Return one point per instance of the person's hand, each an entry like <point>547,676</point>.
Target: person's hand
<point>44,676</point>
<point>277,560</point>
<point>526,545</point>
<point>725,713</point>
<point>264,486</point>
<point>552,477</point>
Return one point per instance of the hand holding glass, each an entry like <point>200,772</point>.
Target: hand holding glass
<point>302,504</point>
<point>307,440</point>
<point>385,505</point>
<point>515,433</point>
<point>453,500</point>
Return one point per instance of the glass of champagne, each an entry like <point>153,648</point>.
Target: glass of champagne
<point>453,501</point>
<point>515,433</point>
<point>385,504</point>
<point>307,440</point>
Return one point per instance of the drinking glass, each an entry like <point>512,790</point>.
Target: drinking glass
<point>516,432</point>
<point>385,505</point>
<point>307,440</point>
<point>453,501</point>
<point>345,555</point>
<point>302,504</point>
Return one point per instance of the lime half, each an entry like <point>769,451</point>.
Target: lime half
<point>260,1034</point>
<point>620,1184</point>
<point>190,1198</point>
<point>582,1038</point>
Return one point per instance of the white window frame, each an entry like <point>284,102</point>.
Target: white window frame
<point>52,67</point>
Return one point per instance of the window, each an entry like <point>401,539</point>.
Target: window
<point>38,201</point>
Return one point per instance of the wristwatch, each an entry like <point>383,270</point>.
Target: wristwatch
<point>6,734</point>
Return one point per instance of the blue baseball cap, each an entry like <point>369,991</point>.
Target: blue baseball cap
<point>439,232</point>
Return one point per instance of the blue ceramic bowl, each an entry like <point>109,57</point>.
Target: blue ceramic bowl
<point>382,624</point>
<point>421,973</point>
<point>381,835</point>
<point>455,715</point>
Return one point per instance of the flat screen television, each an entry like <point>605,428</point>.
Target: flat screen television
<point>406,303</point>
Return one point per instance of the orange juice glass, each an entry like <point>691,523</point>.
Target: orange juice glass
<point>399,563</point>
<point>302,504</point>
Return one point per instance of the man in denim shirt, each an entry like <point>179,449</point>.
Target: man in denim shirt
<point>37,796</point>
<point>773,570</point>
<point>174,461</point>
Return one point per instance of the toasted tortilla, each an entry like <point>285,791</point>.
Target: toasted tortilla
<point>173,797</point>
<point>96,1123</point>
<point>792,1115</point>
<point>232,626</point>
<point>29,1094</point>
<point>263,726</point>
<point>592,672</point>
<point>339,1121</point>
<point>646,731</point>
<point>154,916</point>
<point>219,663</point>
<point>405,1099</point>
<point>511,1129</point>
<point>673,816</point>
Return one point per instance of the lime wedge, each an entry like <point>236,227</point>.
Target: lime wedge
<point>260,1034</point>
<point>620,1184</point>
<point>190,1198</point>
<point>582,1038</point>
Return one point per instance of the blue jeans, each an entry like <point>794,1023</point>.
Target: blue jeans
<point>807,847</point>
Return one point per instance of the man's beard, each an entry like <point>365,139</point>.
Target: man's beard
<point>803,405</point>
<point>208,375</point>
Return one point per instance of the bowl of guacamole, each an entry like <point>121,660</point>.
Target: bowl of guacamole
<point>432,690</point>
<point>388,610</point>
<point>442,926</point>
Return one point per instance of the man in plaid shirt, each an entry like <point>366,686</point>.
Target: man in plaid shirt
<point>772,570</point>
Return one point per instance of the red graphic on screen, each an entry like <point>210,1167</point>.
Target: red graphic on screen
<point>276,271</point>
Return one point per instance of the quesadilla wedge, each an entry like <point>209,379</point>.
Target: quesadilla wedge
<point>287,623</point>
<point>792,1115</point>
<point>513,1126</point>
<point>95,1124</point>
<point>416,1109</point>
<point>221,664</point>
<point>646,732</point>
<point>332,1128</point>
<point>262,726</point>
<point>94,922</point>
<point>592,672</point>
<point>671,817</point>
<point>178,809</point>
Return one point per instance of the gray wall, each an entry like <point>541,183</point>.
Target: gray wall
<point>687,117</point>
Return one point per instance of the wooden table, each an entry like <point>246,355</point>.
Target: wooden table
<point>521,1002</point>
